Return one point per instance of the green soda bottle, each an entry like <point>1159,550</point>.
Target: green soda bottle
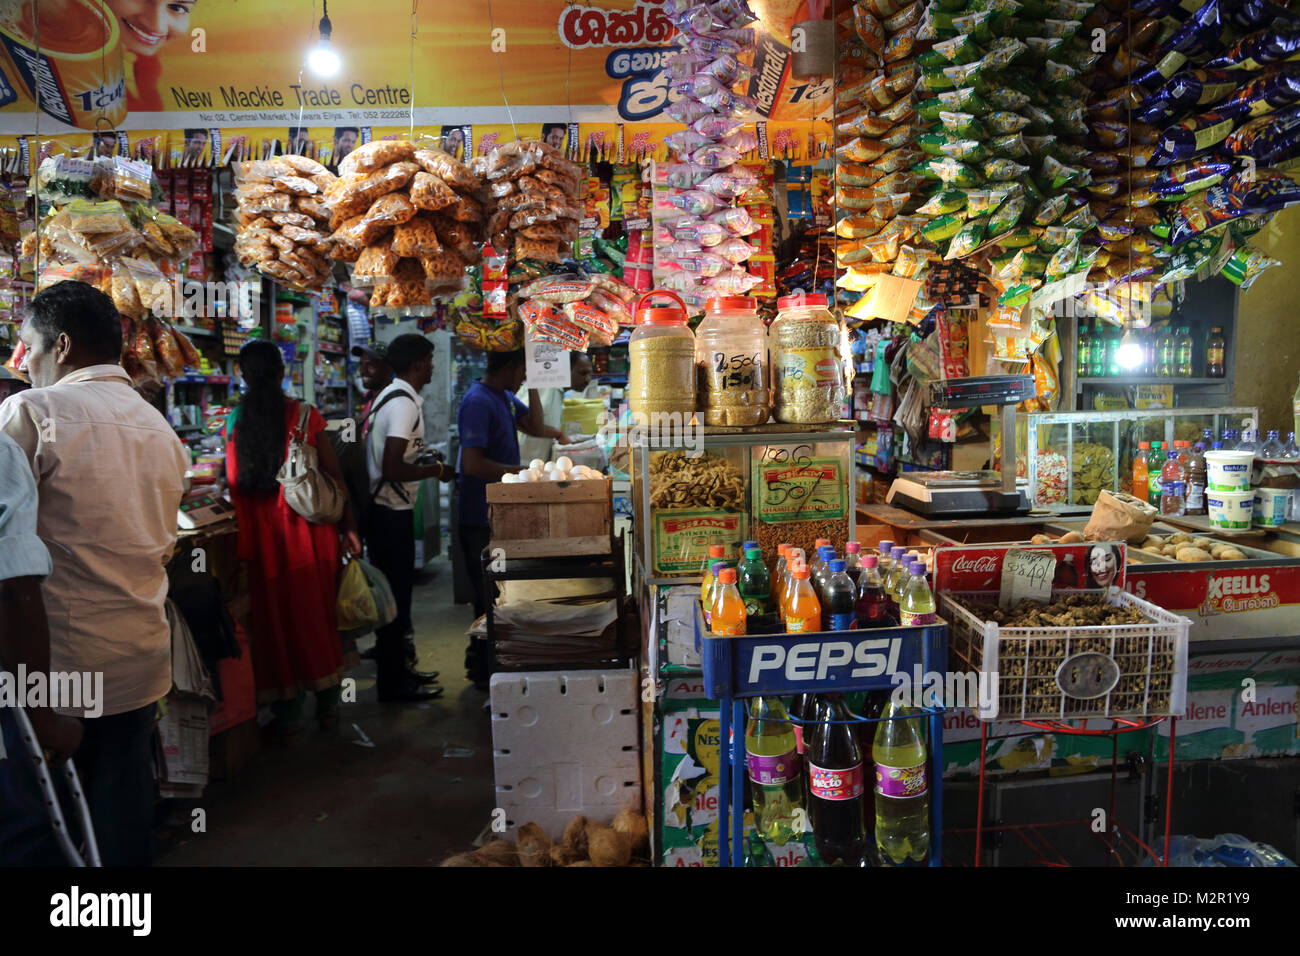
<point>755,583</point>
<point>771,759</point>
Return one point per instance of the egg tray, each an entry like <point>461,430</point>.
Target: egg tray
<point>1136,670</point>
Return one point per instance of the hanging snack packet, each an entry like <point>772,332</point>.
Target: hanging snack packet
<point>966,239</point>
<point>944,202</point>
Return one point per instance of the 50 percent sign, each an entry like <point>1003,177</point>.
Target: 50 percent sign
<point>792,489</point>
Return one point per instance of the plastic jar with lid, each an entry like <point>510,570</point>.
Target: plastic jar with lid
<point>661,362</point>
<point>731,361</point>
<point>808,368</point>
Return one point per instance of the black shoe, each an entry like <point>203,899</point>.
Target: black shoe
<point>409,693</point>
<point>420,677</point>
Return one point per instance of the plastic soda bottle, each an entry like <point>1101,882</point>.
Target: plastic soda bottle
<point>1196,478</point>
<point>717,552</point>
<point>835,786</point>
<point>1155,462</point>
<point>709,586</point>
<point>803,612</point>
<point>916,608</point>
<point>900,584</point>
<point>853,561</point>
<point>755,584</point>
<point>772,760</point>
<point>822,573</point>
<point>902,795</point>
<point>817,560</point>
<point>780,571</point>
<point>1173,485</point>
<point>840,608</point>
<point>1140,478</point>
<point>873,605</point>
<point>728,619</point>
<point>803,707</point>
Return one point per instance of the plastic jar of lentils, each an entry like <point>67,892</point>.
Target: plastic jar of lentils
<point>731,357</point>
<point>804,343</point>
<point>661,362</point>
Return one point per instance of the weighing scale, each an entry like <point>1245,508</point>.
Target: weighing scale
<point>942,494</point>
<point>201,509</point>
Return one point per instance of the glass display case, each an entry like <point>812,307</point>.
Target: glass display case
<point>1071,457</point>
<point>771,484</point>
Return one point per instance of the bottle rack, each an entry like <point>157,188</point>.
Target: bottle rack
<point>738,668</point>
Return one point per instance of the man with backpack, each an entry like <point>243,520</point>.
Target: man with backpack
<point>395,459</point>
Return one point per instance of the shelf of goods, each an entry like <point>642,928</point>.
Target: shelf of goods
<point>771,484</point>
<point>1071,457</point>
<point>739,668</point>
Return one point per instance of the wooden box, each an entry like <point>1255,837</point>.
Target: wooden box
<point>545,519</point>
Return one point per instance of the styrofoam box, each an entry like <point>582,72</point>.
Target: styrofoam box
<point>564,743</point>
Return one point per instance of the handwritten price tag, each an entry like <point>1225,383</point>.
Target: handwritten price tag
<point>1026,574</point>
<point>802,489</point>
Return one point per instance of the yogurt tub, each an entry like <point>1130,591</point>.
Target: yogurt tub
<point>1230,509</point>
<point>1272,506</point>
<point>1228,470</point>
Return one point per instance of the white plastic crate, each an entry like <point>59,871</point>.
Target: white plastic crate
<point>564,743</point>
<point>1071,673</point>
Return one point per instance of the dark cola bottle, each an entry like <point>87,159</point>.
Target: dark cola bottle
<point>835,785</point>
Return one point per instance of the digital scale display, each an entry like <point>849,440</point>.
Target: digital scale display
<point>200,511</point>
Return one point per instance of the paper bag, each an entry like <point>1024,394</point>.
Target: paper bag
<point>1119,517</point>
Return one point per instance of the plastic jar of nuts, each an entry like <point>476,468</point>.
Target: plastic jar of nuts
<point>661,362</point>
<point>804,343</point>
<point>731,360</point>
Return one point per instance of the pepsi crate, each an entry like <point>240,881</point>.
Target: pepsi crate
<point>820,662</point>
<point>1126,671</point>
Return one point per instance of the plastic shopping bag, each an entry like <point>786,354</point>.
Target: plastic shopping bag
<point>356,603</point>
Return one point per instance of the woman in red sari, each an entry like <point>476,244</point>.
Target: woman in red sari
<point>293,565</point>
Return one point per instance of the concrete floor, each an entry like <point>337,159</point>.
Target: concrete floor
<point>326,801</point>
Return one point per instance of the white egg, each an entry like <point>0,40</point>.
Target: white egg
<point>533,476</point>
<point>549,466</point>
<point>536,464</point>
<point>509,479</point>
<point>564,462</point>
<point>563,475</point>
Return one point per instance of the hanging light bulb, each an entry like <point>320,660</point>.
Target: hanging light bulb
<point>1129,353</point>
<point>322,60</point>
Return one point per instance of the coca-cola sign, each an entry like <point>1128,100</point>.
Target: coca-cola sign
<point>986,564</point>
<point>1086,566</point>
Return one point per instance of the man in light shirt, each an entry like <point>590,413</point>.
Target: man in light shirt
<point>109,472</point>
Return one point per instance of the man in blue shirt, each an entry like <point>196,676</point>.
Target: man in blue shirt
<point>489,448</point>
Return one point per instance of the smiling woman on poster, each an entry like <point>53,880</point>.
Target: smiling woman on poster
<point>147,26</point>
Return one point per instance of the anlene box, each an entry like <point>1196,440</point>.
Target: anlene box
<point>1238,708</point>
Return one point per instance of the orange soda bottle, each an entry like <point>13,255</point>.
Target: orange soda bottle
<point>794,558</point>
<point>728,617</point>
<point>803,612</point>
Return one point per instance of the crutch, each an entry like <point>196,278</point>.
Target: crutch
<point>52,804</point>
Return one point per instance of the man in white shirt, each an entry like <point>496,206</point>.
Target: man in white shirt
<point>394,449</point>
<point>109,472</point>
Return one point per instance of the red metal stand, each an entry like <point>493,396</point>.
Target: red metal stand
<point>1034,835</point>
